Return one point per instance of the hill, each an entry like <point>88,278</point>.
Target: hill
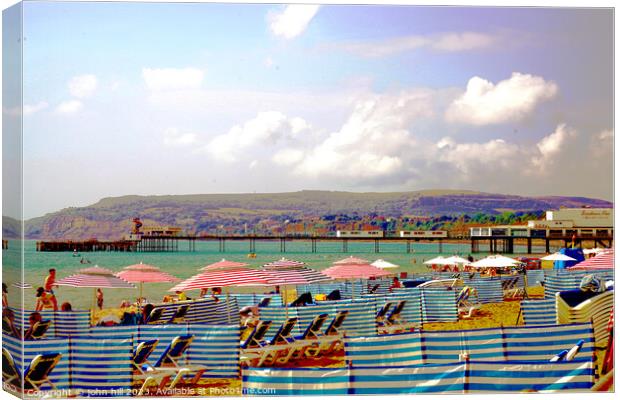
<point>110,218</point>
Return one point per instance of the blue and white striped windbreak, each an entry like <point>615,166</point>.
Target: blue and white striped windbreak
<point>251,299</point>
<point>64,323</point>
<point>562,280</point>
<point>539,343</point>
<point>535,276</point>
<point>460,377</point>
<point>537,312</point>
<point>488,290</point>
<point>100,364</point>
<point>205,311</point>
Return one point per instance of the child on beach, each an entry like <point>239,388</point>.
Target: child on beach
<point>50,282</point>
<point>45,300</point>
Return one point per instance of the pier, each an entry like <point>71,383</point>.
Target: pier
<point>490,244</point>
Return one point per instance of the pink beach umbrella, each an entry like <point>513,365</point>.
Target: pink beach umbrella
<point>223,264</point>
<point>95,277</point>
<point>145,273</point>
<point>354,268</point>
<point>224,278</point>
<point>290,272</point>
<point>600,261</point>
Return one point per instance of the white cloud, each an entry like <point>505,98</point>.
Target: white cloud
<point>292,21</point>
<point>83,86</point>
<point>512,99</point>
<point>287,156</point>
<point>373,142</point>
<point>174,138</point>
<point>161,79</point>
<point>69,107</point>
<point>30,109</point>
<point>444,42</point>
<point>27,109</point>
<point>267,128</point>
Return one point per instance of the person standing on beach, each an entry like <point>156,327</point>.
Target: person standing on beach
<point>48,285</point>
<point>5,296</point>
<point>100,298</point>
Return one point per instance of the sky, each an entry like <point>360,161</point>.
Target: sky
<point>131,98</point>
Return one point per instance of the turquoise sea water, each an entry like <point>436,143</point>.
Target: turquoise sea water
<point>184,264</point>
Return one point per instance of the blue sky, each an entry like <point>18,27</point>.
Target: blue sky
<point>130,98</point>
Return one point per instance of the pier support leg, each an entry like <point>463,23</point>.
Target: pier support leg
<point>547,246</point>
<point>345,246</point>
<point>408,246</point>
<point>529,245</point>
<point>440,246</point>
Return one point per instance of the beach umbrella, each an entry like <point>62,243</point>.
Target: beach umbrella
<point>380,263</point>
<point>22,285</point>
<point>145,273</point>
<point>95,277</point>
<point>284,262</point>
<point>495,261</point>
<point>223,264</point>
<point>352,261</point>
<point>354,268</point>
<point>239,276</point>
<point>558,257</point>
<point>435,261</point>
<point>601,261</point>
<point>453,260</point>
<point>286,272</point>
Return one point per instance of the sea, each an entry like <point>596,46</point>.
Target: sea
<point>184,264</point>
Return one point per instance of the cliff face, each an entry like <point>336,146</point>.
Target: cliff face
<point>110,218</point>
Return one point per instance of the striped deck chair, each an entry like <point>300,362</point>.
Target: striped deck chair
<point>333,338</point>
<point>155,316</point>
<point>251,345</point>
<point>511,288</point>
<point>142,366</point>
<point>36,374</point>
<point>169,362</point>
<point>265,301</point>
<point>305,341</point>
<point>38,330</point>
<point>380,317</point>
<point>179,315</point>
<point>278,345</point>
<point>465,306</point>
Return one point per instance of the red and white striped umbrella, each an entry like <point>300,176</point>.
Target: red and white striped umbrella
<point>145,273</point>
<point>295,275</point>
<point>352,271</point>
<point>223,264</point>
<point>95,277</point>
<point>222,278</point>
<point>600,261</point>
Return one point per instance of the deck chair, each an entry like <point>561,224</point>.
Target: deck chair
<point>302,300</point>
<point>251,345</point>
<point>511,287</point>
<point>38,330</point>
<point>36,374</point>
<point>373,289</point>
<point>8,328</point>
<point>280,342</point>
<point>264,302</point>
<point>140,357</point>
<point>168,365</point>
<point>334,295</point>
<point>155,316</point>
<point>380,316</point>
<point>466,308</point>
<point>394,317</point>
<point>309,339</point>
<point>332,339</point>
<point>179,315</point>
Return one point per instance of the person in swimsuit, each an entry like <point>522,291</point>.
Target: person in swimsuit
<point>48,285</point>
<point>44,300</point>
